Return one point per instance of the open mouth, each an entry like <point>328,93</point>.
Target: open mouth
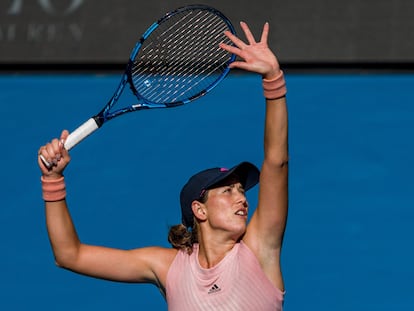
<point>241,212</point>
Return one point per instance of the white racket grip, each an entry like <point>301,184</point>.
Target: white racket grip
<point>80,133</point>
<point>76,137</point>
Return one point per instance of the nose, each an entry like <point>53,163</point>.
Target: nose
<point>241,196</point>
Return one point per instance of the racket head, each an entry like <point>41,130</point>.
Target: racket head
<point>178,59</point>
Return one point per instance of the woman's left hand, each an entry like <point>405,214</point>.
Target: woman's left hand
<point>255,56</point>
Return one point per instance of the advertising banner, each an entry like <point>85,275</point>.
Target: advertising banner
<point>99,32</point>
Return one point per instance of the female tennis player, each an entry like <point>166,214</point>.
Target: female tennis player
<point>218,261</point>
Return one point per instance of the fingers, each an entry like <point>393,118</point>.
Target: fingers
<point>265,33</point>
<point>64,135</point>
<point>249,36</point>
<point>63,138</point>
<point>51,154</point>
<point>253,56</point>
<point>240,65</point>
<point>247,33</point>
<point>237,42</point>
<point>240,45</point>
<point>229,48</point>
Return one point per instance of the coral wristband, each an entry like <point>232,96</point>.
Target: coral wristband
<point>274,88</point>
<point>53,189</point>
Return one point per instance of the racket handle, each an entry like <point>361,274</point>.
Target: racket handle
<point>76,137</point>
<point>81,133</point>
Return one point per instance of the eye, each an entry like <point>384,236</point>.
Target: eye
<point>241,190</point>
<point>227,189</point>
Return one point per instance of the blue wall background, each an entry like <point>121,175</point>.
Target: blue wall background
<point>348,244</point>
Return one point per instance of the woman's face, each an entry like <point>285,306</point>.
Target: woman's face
<point>226,207</point>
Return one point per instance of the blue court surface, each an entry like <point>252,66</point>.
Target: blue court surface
<point>349,240</point>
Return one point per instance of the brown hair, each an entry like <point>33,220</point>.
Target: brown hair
<point>183,238</point>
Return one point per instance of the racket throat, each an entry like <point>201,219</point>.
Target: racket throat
<point>99,119</point>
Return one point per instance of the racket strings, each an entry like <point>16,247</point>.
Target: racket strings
<point>184,81</point>
<point>180,37</point>
<point>179,53</point>
<point>181,58</point>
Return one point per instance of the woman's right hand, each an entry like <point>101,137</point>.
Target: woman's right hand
<point>55,153</point>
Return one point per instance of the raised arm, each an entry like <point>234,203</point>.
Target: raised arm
<point>138,265</point>
<point>265,231</point>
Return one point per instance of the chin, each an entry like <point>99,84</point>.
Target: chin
<point>240,232</point>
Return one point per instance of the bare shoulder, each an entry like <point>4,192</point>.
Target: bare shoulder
<point>162,254</point>
<point>156,256</point>
<point>159,259</point>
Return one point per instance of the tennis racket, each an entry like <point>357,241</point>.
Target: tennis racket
<point>176,61</point>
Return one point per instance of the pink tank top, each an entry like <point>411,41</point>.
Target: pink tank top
<point>237,283</point>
